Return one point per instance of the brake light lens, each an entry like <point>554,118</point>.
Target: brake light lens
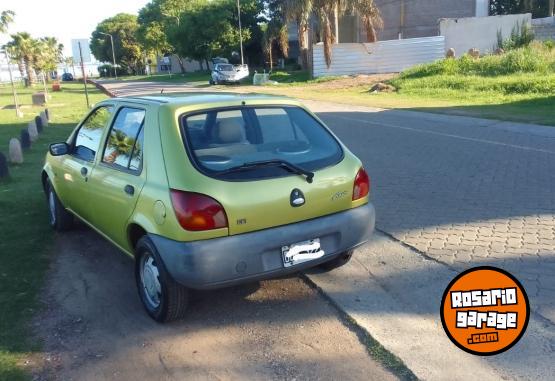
<point>361,187</point>
<point>197,212</point>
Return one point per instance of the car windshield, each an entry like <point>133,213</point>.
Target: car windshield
<point>225,67</point>
<point>220,141</point>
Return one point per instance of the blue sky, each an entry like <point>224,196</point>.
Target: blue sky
<point>64,19</point>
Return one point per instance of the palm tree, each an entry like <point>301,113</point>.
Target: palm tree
<point>274,32</point>
<point>70,62</point>
<point>48,54</point>
<point>121,144</point>
<point>23,48</point>
<point>6,18</point>
<point>370,16</point>
<point>325,9</point>
<point>299,11</point>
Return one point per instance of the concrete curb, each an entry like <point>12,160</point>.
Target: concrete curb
<point>102,88</point>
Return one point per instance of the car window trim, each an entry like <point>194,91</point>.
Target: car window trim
<point>185,137</point>
<point>117,167</point>
<point>80,125</point>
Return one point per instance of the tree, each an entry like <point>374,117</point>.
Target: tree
<point>274,32</point>
<point>299,11</point>
<point>327,10</point>
<point>23,49</point>
<point>207,31</point>
<point>6,18</point>
<point>128,52</point>
<point>538,8</point>
<point>151,33</point>
<point>49,53</point>
<point>156,21</point>
<point>369,14</point>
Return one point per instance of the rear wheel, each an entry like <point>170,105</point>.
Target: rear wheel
<point>163,298</point>
<point>339,261</point>
<point>60,218</point>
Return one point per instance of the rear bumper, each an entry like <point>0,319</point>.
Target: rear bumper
<point>231,260</point>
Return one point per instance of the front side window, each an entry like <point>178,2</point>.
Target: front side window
<point>90,133</point>
<point>221,140</point>
<point>124,145</point>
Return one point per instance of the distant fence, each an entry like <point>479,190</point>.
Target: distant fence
<point>379,57</point>
<point>544,29</point>
<point>479,32</point>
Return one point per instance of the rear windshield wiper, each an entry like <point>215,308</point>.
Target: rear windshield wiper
<point>271,163</point>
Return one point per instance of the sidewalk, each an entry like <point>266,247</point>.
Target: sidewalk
<point>394,293</point>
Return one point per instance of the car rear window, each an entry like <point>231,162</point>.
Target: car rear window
<point>220,139</point>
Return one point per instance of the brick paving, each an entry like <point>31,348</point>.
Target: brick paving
<point>462,190</point>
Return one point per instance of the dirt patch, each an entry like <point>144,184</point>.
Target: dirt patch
<point>94,327</point>
<point>353,81</point>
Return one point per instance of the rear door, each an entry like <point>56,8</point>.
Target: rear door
<point>120,174</point>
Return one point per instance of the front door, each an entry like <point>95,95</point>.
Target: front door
<point>78,166</point>
<point>118,178</point>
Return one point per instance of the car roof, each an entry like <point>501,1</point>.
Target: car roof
<point>204,97</point>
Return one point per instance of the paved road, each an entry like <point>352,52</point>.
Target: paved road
<point>460,192</point>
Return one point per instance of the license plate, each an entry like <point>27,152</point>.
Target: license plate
<point>301,252</point>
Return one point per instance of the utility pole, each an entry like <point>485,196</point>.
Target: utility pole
<point>240,32</point>
<point>84,75</point>
<point>402,20</point>
<point>18,112</point>
<point>113,53</point>
<point>551,5</point>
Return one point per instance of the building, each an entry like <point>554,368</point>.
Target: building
<point>420,18</point>
<point>402,19</point>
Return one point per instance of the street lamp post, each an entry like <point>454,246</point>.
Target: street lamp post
<point>18,112</point>
<point>240,33</point>
<point>113,52</point>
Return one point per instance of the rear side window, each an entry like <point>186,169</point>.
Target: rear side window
<point>124,145</point>
<point>220,140</point>
<point>90,133</point>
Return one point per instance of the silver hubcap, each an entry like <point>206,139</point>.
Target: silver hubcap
<point>150,280</point>
<point>52,205</point>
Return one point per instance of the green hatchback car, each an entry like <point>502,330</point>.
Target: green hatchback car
<point>209,190</point>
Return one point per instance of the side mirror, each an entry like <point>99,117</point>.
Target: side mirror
<point>59,149</point>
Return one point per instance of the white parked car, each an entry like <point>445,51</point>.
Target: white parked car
<point>228,73</point>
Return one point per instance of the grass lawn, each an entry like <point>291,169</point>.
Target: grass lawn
<point>25,247</point>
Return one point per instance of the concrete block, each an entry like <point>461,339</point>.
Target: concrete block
<point>15,151</point>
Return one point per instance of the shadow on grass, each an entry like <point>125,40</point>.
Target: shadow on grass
<point>537,111</point>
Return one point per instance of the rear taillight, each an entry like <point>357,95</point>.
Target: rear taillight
<point>361,187</point>
<point>196,211</point>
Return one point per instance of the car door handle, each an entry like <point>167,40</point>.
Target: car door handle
<point>84,171</point>
<point>129,189</point>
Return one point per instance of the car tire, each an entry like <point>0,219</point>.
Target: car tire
<point>338,261</point>
<point>211,82</point>
<point>60,218</point>
<point>163,298</point>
